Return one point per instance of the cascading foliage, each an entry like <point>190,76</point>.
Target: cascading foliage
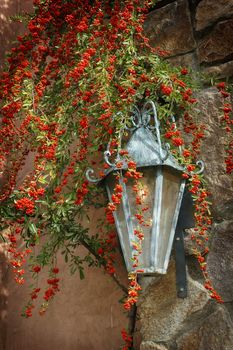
<point>80,63</point>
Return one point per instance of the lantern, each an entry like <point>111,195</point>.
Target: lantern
<point>162,187</point>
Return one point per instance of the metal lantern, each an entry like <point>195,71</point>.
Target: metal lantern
<point>162,189</point>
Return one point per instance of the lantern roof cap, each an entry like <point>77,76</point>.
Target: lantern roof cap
<point>144,149</point>
<point>144,146</point>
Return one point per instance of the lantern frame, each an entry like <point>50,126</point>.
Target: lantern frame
<point>145,148</point>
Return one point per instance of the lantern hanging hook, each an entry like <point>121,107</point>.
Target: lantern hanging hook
<point>146,118</point>
<point>136,119</point>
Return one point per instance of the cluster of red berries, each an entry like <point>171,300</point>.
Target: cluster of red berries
<point>18,256</point>
<point>227,123</point>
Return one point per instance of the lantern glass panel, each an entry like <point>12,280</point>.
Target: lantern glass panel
<point>169,212</point>
<point>122,221</point>
<point>161,192</point>
<point>145,193</point>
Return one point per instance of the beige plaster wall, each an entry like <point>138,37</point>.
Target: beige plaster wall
<point>85,315</point>
<point>9,30</point>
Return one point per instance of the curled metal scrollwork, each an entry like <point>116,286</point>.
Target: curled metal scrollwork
<point>201,165</point>
<point>136,119</point>
<point>152,111</point>
<point>142,118</point>
<point>90,175</point>
<point>166,149</point>
<point>107,155</point>
<point>147,118</point>
<point>148,110</point>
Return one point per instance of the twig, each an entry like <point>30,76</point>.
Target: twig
<point>103,263</point>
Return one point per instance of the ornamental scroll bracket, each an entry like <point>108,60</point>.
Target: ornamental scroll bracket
<point>145,134</point>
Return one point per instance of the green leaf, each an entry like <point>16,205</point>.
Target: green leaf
<point>2,237</point>
<point>81,273</point>
<point>32,228</point>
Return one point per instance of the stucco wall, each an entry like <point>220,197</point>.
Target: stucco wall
<point>85,315</point>
<point>9,30</point>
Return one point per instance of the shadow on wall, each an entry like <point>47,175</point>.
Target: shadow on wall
<point>9,29</point>
<point>3,297</point>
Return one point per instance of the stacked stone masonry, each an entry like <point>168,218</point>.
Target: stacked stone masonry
<point>194,32</point>
<point>197,34</point>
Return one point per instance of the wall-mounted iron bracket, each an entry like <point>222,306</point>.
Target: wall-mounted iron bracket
<point>186,220</point>
<point>181,274</point>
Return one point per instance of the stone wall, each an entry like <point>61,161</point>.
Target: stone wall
<point>197,34</point>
